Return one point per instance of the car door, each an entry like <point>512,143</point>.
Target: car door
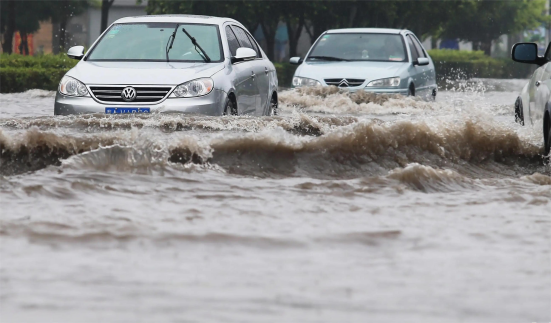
<point>533,87</point>
<point>418,73</point>
<point>262,71</point>
<point>413,69</point>
<point>246,91</point>
<point>428,74</point>
<point>542,93</point>
<point>257,66</point>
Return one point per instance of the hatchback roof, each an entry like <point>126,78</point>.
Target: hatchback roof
<point>366,30</point>
<point>176,19</point>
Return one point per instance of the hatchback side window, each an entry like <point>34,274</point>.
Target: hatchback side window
<point>414,54</point>
<point>255,45</point>
<point>417,44</point>
<point>232,41</point>
<point>243,38</point>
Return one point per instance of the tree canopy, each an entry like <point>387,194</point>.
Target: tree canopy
<point>470,20</point>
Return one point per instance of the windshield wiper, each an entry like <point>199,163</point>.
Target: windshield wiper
<point>171,41</point>
<point>328,58</point>
<point>194,42</point>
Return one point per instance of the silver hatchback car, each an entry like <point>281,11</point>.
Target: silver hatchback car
<point>170,63</point>
<point>372,59</point>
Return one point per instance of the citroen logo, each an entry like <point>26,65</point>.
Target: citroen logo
<point>343,83</point>
<point>128,94</point>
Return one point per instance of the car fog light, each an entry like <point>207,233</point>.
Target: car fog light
<point>72,87</point>
<point>389,82</point>
<point>303,81</point>
<point>193,88</point>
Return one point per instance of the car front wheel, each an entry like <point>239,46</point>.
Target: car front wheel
<point>519,113</point>
<point>547,134</point>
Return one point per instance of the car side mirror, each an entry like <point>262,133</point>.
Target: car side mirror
<point>422,61</point>
<point>243,54</point>
<point>76,52</point>
<point>527,53</point>
<point>295,60</point>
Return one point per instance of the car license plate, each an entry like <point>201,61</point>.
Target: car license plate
<point>126,110</point>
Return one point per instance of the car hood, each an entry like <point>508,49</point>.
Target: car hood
<point>136,73</point>
<point>357,70</point>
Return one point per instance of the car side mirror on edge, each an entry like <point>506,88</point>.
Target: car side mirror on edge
<point>527,53</point>
<point>76,52</point>
<point>295,60</point>
<point>422,61</point>
<point>243,54</point>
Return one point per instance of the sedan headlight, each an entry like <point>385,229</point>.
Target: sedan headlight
<point>193,88</point>
<point>72,87</point>
<point>389,82</point>
<point>303,81</point>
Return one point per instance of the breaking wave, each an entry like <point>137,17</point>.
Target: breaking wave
<point>298,123</point>
<point>427,179</point>
<point>364,147</point>
<point>334,100</point>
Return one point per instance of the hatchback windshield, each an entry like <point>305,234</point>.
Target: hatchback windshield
<point>148,42</point>
<point>359,47</point>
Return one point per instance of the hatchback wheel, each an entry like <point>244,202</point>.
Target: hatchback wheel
<point>411,90</point>
<point>273,106</point>
<point>519,113</point>
<point>230,109</point>
<point>547,136</point>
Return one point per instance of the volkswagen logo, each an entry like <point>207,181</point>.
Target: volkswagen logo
<point>128,94</point>
<point>343,83</point>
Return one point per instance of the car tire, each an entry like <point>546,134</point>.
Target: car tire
<point>519,112</point>
<point>547,134</point>
<point>273,106</point>
<point>411,90</point>
<point>230,109</point>
<point>433,95</point>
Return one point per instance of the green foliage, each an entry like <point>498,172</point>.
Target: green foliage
<point>19,73</point>
<point>484,21</point>
<point>22,79</point>
<point>457,64</point>
<point>60,61</point>
<point>458,55</point>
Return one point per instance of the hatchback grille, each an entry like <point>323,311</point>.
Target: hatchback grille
<point>143,94</point>
<point>344,82</point>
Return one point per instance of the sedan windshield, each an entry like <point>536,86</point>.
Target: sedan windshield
<point>148,42</point>
<point>359,47</point>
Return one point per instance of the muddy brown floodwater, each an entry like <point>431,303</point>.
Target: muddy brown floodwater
<point>344,208</point>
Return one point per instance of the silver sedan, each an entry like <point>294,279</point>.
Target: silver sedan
<point>172,63</point>
<point>371,59</point>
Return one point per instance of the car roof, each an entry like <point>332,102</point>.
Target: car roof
<point>177,19</point>
<point>367,31</point>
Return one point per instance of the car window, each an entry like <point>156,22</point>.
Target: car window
<point>414,54</point>
<point>243,38</point>
<point>232,41</point>
<point>148,42</point>
<point>418,46</point>
<point>255,45</point>
<point>359,47</point>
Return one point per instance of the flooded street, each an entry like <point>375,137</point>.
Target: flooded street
<point>343,208</point>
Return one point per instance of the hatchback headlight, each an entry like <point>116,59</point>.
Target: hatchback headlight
<point>303,81</point>
<point>193,88</point>
<point>389,82</point>
<point>72,87</point>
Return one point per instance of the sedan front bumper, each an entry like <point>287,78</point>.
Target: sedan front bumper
<point>210,104</point>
